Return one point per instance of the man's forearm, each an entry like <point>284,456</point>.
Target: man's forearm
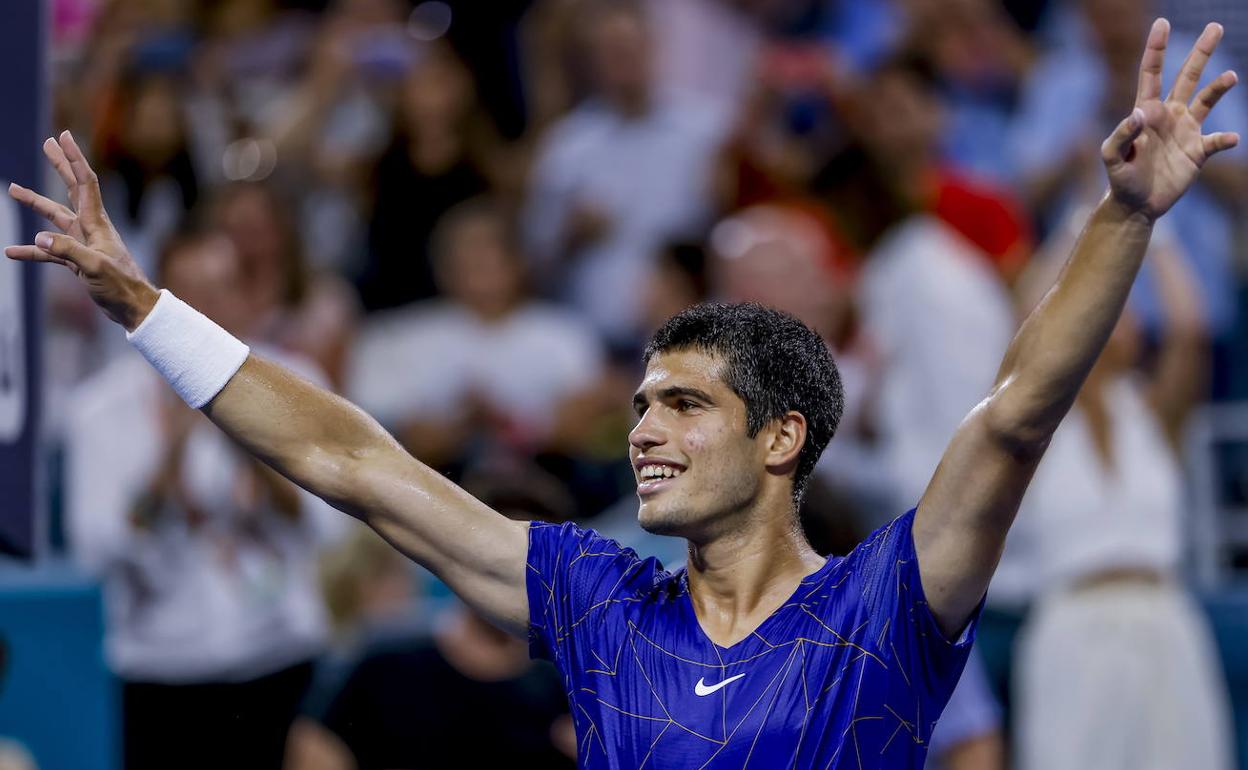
<point>1059,342</point>
<point>330,447</point>
<point>309,435</point>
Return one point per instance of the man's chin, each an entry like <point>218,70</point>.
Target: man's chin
<point>658,522</point>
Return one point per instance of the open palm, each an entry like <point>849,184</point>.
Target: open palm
<point>1155,155</point>
<point>88,244</point>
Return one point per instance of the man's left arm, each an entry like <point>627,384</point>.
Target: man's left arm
<point>1152,158</point>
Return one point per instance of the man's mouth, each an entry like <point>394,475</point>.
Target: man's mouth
<point>656,476</point>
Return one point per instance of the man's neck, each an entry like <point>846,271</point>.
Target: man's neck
<point>737,581</point>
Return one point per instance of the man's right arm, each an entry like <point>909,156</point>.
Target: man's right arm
<point>330,447</point>
<point>318,440</point>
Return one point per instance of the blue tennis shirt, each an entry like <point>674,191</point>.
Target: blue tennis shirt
<point>851,672</point>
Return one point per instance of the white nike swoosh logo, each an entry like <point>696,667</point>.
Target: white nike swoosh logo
<point>701,689</point>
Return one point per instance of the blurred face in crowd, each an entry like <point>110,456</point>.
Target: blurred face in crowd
<point>620,58</point>
<point>479,267</point>
<point>669,290</point>
<point>1119,27</point>
<point>153,130</point>
<point>900,119</point>
<point>779,258</point>
<point>205,272</point>
<point>248,216</point>
<point>437,91</point>
<point>696,466</point>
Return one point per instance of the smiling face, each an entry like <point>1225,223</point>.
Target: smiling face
<point>696,466</point>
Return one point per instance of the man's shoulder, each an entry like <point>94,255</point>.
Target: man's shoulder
<point>582,552</point>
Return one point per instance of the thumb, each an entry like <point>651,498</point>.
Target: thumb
<point>1117,148</point>
<point>69,249</point>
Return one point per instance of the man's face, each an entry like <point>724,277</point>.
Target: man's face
<point>694,462</point>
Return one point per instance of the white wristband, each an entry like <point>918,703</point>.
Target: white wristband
<point>192,353</point>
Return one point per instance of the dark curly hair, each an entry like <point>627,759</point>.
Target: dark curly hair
<point>773,362</point>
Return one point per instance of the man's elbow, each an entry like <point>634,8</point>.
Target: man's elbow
<point>333,474</point>
<point>1020,423</point>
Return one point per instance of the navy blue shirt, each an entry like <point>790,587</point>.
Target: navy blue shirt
<point>851,672</point>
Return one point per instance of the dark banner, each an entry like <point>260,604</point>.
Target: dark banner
<point>22,129</point>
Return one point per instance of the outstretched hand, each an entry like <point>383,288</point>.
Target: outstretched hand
<point>1155,155</point>
<point>87,243</point>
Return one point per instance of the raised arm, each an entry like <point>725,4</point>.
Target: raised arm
<point>316,439</point>
<point>1152,158</point>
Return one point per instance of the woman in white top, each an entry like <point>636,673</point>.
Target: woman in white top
<point>1117,666</point>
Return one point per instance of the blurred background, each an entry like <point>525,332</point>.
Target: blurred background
<point>467,217</point>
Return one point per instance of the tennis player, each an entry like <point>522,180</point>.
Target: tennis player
<point>762,653</point>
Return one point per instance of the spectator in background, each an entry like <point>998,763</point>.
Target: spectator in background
<point>1072,94</point>
<point>705,50</point>
<point>326,130</point>
<point>455,375</point>
<point>310,313</point>
<point>681,279</point>
<point>1117,667</point>
<point>147,174</point>
<point>618,177</point>
<point>208,558</point>
<point>374,600</point>
<point>978,59</point>
<point>899,118</point>
<point>438,156</point>
<point>466,697</point>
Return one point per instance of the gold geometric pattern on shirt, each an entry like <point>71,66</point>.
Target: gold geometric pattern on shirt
<point>591,738</point>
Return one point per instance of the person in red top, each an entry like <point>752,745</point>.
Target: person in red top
<point>899,126</point>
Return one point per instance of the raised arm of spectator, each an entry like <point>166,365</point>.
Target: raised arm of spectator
<point>318,440</point>
<point>1180,375</point>
<point>1152,157</point>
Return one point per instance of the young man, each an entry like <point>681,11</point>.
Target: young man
<point>762,651</point>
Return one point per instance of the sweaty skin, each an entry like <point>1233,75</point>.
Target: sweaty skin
<point>734,502</point>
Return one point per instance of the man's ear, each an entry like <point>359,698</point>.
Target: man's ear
<point>787,436</point>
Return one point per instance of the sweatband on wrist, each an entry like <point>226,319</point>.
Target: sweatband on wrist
<point>192,353</point>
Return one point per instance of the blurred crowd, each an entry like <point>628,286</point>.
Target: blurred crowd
<point>466,217</point>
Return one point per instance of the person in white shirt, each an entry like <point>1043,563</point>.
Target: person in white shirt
<point>445,373</point>
<point>622,174</point>
<point>1117,667</point>
<point>208,559</point>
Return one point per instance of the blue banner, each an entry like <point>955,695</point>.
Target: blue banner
<point>22,97</point>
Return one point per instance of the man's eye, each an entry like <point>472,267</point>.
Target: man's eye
<point>685,406</point>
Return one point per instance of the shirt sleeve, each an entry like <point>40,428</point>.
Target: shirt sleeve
<point>887,567</point>
<point>574,577</point>
<point>973,711</point>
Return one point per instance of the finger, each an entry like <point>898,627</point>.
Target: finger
<point>59,162</point>
<point>54,212</point>
<point>33,254</point>
<point>1117,148</point>
<point>1153,61</point>
<point>90,205</point>
<point>1219,142</point>
<point>1208,97</point>
<point>69,249</point>
<point>1194,66</point>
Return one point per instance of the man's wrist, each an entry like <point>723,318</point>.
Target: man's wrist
<point>1114,210</point>
<point>192,353</point>
<point>145,299</point>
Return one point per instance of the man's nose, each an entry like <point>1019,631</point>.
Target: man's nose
<point>647,433</point>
